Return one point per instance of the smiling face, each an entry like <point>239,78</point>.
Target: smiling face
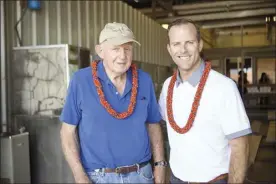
<point>184,46</point>
<point>116,59</point>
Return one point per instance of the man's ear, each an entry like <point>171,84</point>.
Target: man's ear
<point>200,45</point>
<point>169,48</point>
<point>99,50</point>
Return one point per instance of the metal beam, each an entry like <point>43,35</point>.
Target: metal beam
<point>199,6</point>
<point>166,5</point>
<point>226,15</point>
<point>157,15</point>
<point>216,4</point>
<point>3,82</point>
<point>207,41</point>
<point>268,51</point>
<point>233,23</point>
<point>163,14</point>
<point>238,32</point>
<point>153,8</point>
<point>227,9</point>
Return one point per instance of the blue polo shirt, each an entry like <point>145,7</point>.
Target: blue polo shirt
<point>107,142</point>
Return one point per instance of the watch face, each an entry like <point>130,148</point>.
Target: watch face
<point>161,163</point>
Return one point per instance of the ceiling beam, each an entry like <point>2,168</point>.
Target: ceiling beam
<point>239,32</point>
<point>221,16</point>
<point>217,4</point>
<point>232,23</point>
<point>165,4</point>
<point>227,9</point>
<point>194,6</point>
<point>164,14</point>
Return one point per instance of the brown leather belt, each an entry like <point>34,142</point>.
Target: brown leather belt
<point>126,169</point>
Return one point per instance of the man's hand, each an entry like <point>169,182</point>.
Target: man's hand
<point>159,174</point>
<point>82,179</point>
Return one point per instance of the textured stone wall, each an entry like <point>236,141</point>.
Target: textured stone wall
<point>39,80</point>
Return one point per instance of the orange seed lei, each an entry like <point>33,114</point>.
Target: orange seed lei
<point>105,103</point>
<point>195,105</point>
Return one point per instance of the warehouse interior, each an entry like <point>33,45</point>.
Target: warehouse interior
<point>238,36</point>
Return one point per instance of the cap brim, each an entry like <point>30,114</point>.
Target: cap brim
<point>120,41</point>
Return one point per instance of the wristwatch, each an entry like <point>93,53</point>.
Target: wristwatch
<point>161,163</point>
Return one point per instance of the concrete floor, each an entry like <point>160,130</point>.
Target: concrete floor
<point>264,168</point>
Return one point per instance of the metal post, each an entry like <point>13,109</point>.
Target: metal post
<point>153,6</point>
<point>274,34</point>
<point>242,61</point>
<point>3,123</point>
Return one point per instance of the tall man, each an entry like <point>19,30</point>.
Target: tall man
<point>206,120</point>
<point>111,116</point>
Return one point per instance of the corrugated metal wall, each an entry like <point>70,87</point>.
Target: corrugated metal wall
<point>79,23</point>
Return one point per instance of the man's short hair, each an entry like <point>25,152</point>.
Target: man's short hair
<point>182,21</point>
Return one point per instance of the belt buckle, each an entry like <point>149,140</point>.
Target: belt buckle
<point>138,167</point>
<point>117,170</point>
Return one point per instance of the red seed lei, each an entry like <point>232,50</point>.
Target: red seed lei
<point>195,105</point>
<point>105,103</point>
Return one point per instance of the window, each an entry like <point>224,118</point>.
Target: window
<point>234,68</point>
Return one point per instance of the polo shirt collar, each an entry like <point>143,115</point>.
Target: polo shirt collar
<point>103,76</point>
<point>101,72</point>
<point>194,78</point>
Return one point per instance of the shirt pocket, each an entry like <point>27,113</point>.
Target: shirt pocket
<point>141,109</point>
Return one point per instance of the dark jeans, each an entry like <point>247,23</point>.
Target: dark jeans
<point>174,180</point>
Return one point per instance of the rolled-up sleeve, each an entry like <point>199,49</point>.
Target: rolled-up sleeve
<point>71,112</point>
<point>233,117</point>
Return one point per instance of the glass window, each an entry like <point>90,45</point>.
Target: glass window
<point>234,67</point>
<point>266,68</point>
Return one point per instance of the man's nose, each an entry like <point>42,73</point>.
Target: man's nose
<point>183,48</point>
<point>122,53</point>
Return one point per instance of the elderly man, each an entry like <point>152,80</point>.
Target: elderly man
<point>206,120</point>
<point>111,117</point>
